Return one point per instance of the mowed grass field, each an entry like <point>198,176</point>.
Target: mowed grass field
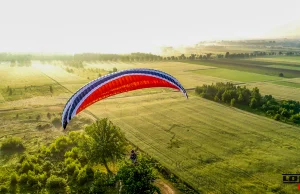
<point>214,148</point>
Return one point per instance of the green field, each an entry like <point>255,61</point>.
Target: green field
<point>280,59</point>
<point>251,66</point>
<point>278,91</point>
<point>240,76</point>
<point>220,149</point>
<point>287,83</point>
<point>214,148</point>
<point>290,67</point>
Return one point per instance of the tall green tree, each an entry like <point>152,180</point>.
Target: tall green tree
<point>138,178</point>
<point>105,142</point>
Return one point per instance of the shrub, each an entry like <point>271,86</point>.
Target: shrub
<point>13,178</point>
<point>42,178</point>
<point>85,175</point>
<point>3,189</point>
<point>37,168</point>
<point>49,115</point>
<point>72,167</point>
<point>38,118</point>
<point>56,122</point>
<point>32,179</point>
<point>296,118</point>
<point>74,153</point>
<point>62,143</point>
<point>277,117</point>
<point>55,183</point>
<point>12,144</point>
<point>47,166</point>
<point>42,127</point>
<point>23,179</point>
<point>26,166</point>
<point>100,183</point>
<point>232,102</point>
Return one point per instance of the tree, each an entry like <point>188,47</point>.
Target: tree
<point>51,89</point>
<point>253,103</point>
<point>226,96</point>
<point>137,178</point>
<point>48,115</point>
<point>255,94</point>
<point>182,56</point>
<point>277,117</point>
<point>10,92</point>
<point>232,102</point>
<point>104,143</point>
<point>227,55</point>
<point>280,74</point>
<point>240,98</point>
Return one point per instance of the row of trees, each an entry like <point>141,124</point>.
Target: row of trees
<point>284,110</point>
<point>247,55</point>
<point>77,59</point>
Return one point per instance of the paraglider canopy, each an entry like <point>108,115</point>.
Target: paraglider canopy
<point>116,83</point>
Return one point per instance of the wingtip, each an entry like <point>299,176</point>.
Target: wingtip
<point>186,95</point>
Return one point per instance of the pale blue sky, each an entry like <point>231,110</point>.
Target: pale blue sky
<point>121,26</point>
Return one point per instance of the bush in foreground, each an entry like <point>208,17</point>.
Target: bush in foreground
<point>12,144</point>
<point>56,184</point>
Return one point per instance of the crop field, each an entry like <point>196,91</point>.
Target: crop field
<point>214,148</point>
<point>290,67</point>
<point>240,76</point>
<point>280,59</point>
<point>278,91</point>
<point>287,83</point>
<point>259,67</point>
<point>26,82</point>
<point>108,66</point>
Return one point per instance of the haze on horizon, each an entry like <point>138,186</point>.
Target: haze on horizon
<point>119,26</point>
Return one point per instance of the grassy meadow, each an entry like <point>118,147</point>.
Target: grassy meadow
<point>212,147</point>
<point>235,75</point>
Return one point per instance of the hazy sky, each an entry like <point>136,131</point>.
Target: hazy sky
<point>121,26</point>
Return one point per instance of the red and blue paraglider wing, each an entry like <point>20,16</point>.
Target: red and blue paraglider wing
<point>116,83</point>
